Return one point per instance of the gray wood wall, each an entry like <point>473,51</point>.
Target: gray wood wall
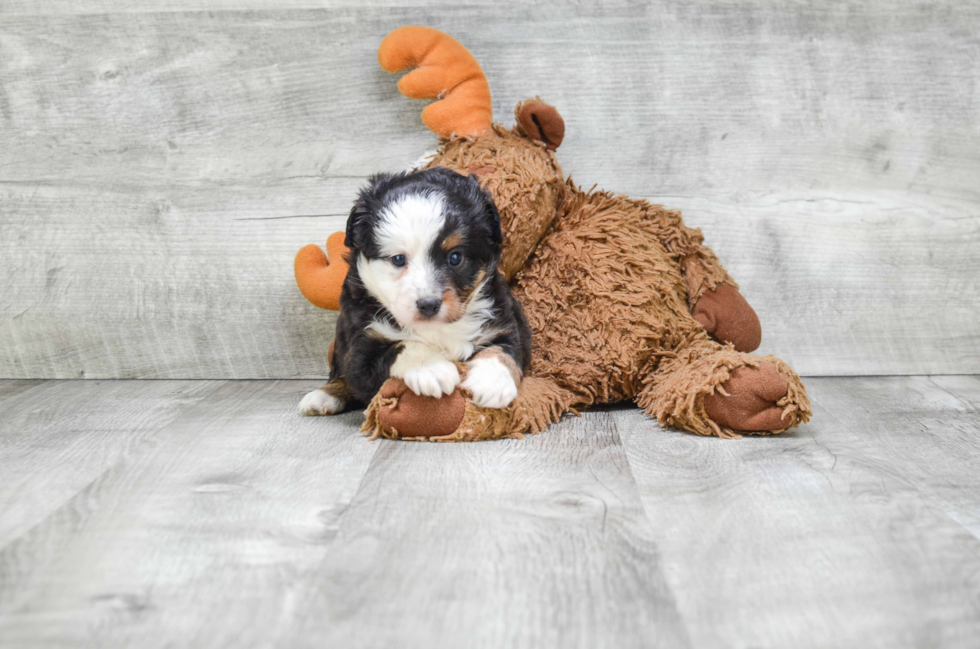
<point>161,163</point>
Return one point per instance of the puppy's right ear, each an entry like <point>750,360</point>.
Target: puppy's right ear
<point>368,202</point>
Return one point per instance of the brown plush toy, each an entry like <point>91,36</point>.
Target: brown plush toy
<point>624,301</point>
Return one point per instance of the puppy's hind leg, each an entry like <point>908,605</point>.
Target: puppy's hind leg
<point>326,400</point>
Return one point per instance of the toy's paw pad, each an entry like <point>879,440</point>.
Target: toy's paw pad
<point>751,402</point>
<point>432,379</point>
<point>319,402</point>
<point>491,383</point>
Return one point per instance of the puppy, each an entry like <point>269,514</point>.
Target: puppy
<point>423,291</point>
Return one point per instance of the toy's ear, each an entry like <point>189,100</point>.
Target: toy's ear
<point>541,121</point>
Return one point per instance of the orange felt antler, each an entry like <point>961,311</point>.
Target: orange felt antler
<point>319,278</point>
<point>444,70</point>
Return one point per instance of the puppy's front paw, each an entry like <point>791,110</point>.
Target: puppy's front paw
<point>432,379</point>
<point>319,402</point>
<point>491,383</point>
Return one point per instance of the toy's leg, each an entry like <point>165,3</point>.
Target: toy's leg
<point>712,295</point>
<point>397,412</point>
<point>711,389</point>
<point>728,318</point>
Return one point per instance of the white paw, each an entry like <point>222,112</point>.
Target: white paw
<point>425,371</point>
<point>491,383</point>
<point>432,379</point>
<point>319,402</point>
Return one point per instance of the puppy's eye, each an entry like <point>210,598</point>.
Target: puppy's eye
<point>455,258</point>
<point>398,260</point>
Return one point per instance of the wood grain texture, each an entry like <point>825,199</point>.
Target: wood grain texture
<point>159,164</point>
<point>240,523</point>
<point>859,529</point>
<point>540,542</point>
<point>80,7</point>
<point>929,431</point>
<point>59,437</point>
<point>244,524</point>
<point>11,389</point>
<point>199,538</point>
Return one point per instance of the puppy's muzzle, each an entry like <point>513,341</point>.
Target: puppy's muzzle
<point>428,307</point>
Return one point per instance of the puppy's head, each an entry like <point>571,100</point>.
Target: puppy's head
<point>423,243</point>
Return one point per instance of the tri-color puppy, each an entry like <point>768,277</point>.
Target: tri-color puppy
<point>423,290</point>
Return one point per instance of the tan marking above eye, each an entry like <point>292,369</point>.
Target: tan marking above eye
<point>452,241</point>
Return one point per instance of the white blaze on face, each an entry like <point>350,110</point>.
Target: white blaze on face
<point>407,227</point>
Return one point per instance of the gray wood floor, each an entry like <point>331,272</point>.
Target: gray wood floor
<point>209,513</point>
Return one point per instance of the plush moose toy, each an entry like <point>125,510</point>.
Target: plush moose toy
<point>624,301</point>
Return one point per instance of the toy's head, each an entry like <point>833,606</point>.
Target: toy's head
<point>520,172</point>
<point>517,166</point>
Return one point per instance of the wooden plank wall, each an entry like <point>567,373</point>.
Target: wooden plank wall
<point>161,163</point>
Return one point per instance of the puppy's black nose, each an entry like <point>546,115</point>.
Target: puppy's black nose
<point>429,307</point>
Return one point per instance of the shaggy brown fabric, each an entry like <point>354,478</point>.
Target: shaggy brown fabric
<point>675,392</point>
<point>608,284</point>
